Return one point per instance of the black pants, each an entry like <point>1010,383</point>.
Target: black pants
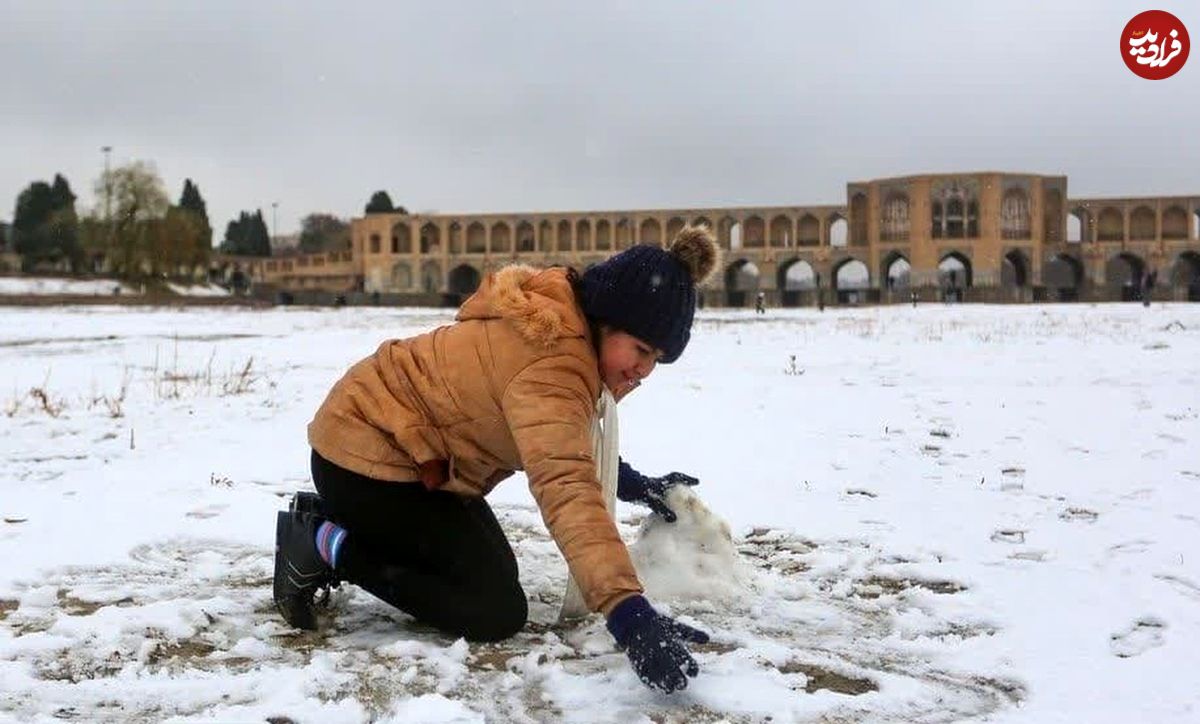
<point>441,558</point>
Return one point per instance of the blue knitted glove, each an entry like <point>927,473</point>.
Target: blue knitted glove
<point>633,487</point>
<point>654,644</point>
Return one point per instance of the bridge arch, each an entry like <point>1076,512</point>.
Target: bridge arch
<point>896,271</point>
<point>401,238</point>
<point>742,279</point>
<point>1123,274</point>
<point>1142,224</point>
<point>954,271</point>
<point>1174,223</point>
<point>1063,275</point>
<point>650,232</point>
<point>795,276</point>
<point>464,280</point>
<point>1014,269</point>
<point>431,238</point>
<point>1186,273</point>
<point>837,230</point>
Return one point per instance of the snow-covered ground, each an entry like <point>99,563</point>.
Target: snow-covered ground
<point>198,290</point>
<point>941,514</point>
<point>40,286</point>
<point>57,285</point>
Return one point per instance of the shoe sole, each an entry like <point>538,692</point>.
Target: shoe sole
<point>291,607</point>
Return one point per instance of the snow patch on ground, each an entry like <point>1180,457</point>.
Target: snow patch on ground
<point>955,513</point>
<point>51,286</point>
<point>198,290</point>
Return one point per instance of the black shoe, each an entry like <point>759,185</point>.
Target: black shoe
<point>307,502</point>
<point>299,570</point>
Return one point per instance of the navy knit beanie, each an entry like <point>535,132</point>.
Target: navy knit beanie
<point>650,292</point>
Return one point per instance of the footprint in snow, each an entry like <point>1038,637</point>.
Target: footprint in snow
<point>1142,635</point>
<point>1079,514</point>
<point>1009,536</point>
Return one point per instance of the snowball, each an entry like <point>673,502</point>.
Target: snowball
<point>693,558</point>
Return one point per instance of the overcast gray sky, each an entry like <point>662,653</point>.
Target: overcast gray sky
<point>523,106</point>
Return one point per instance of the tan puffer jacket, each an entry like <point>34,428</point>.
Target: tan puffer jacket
<point>512,385</point>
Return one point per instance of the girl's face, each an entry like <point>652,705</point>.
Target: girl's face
<point>625,361</point>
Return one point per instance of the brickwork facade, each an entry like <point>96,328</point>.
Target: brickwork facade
<point>981,236</point>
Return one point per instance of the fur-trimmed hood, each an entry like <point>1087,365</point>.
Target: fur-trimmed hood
<point>540,303</point>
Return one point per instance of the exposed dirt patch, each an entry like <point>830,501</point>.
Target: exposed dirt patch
<point>713,647</point>
<point>774,551</point>
<point>876,586</point>
<point>75,669</point>
<point>78,607</point>
<point>7,606</point>
<point>186,650</point>
<point>819,678</point>
<point>697,714</point>
<point>495,659</point>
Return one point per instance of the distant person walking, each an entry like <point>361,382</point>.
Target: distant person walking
<point>760,303</point>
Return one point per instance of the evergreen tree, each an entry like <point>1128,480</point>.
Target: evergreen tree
<point>45,227</point>
<point>258,236</point>
<point>61,195</point>
<point>35,206</point>
<point>235,236</point>
<point>247,236</point>
<point>191,200</point>
<point>63,231</point>
<point>380,203</point>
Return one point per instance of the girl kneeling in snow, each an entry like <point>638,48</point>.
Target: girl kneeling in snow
<point>411,438</point>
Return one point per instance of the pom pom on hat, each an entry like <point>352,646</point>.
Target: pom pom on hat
<point>696,248</point>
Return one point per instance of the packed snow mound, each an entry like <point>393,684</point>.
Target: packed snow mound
<point>198,290</point>
<point>693,558</point>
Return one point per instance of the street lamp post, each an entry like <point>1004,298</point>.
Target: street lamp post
<point>274,222</point>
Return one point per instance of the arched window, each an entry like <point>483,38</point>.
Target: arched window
<point>894,223</point>
<point>1014,214</point>
<point>401,239</point>
<point>1112,225</point>
<point>955,212</point>
<point>1174,223</point>
<point>754,233</point>
<point>1141,224</point>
